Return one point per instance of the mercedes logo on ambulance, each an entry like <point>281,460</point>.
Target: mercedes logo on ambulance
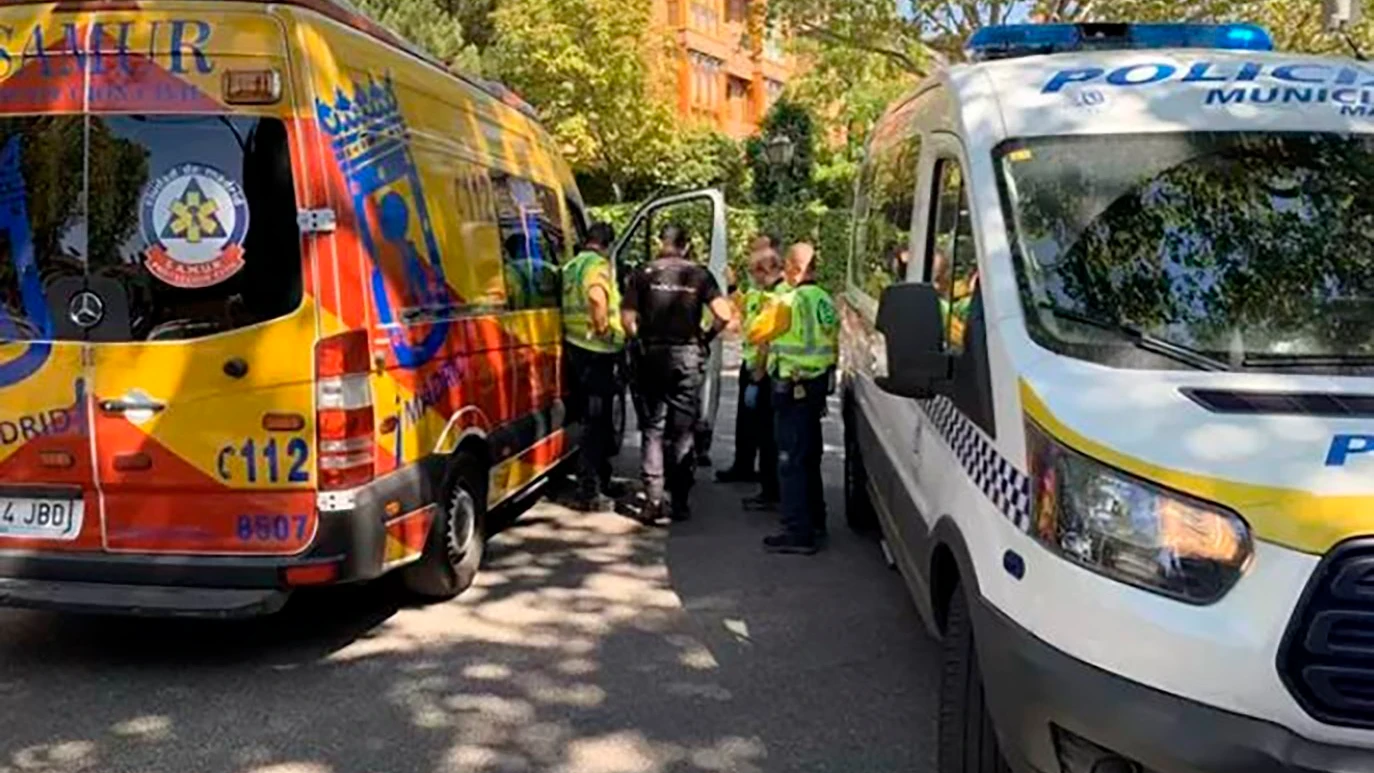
<point>86,309</point>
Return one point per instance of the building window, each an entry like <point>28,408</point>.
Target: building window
<point>706,79</point>
<point>705,17</point>
<point>737,96</point>
<point>737,11</point>
<point>774,91</point>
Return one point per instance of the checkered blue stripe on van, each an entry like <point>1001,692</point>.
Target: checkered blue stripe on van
<point>1007,487</point>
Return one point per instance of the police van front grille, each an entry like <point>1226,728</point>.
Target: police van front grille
<point>1327,658</point>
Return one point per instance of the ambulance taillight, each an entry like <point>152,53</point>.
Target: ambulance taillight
<point>344,418</point>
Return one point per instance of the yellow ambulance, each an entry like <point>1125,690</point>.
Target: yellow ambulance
<point>278,306</point>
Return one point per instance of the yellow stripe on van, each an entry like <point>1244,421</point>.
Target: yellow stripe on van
<point>1301,520</point>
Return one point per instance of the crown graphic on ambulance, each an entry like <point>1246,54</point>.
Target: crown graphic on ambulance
<point>371,111</point>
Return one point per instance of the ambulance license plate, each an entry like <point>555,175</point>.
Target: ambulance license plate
<point>50,518</point>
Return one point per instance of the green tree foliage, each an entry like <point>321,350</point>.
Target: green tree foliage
<point>428,24</point>
<point>787,183</point>
<point>703,158</point>
<point>474,18</point>
<point>848,89</point>
<point>907,35</point>
<point>589,68</point>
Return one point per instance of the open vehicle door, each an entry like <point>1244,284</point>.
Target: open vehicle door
<point>703,214</point>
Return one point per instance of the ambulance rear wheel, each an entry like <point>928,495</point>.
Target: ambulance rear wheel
<point>968,742</point>
<point>457,540</point>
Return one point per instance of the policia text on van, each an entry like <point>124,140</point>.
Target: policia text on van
<point>1106,428</point>
<point>308,329</point>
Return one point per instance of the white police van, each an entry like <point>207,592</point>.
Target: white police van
<point>1108,381</point>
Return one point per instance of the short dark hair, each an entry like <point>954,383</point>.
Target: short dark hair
<point>601,234</point>
<point>675,236</point>
<point>774,242</point>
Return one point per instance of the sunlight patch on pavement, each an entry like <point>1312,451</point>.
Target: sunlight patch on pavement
<point>487,671</point>
<point>474,757</point>
<point>739,628</point>
<point>692,653</point>
<point>152,727</point>
<point>623,752</point>
<point>61,756</point>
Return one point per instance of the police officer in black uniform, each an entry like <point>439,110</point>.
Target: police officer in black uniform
<point>662,312</point>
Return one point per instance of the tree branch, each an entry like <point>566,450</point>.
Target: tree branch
<point>995,12</point>
<point>939,22</point>
<point>900,58</point>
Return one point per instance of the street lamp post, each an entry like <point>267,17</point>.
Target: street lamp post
<point>779,150</point>
<point>1340,15</point>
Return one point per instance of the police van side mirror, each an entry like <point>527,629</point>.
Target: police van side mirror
<point>911,323</point>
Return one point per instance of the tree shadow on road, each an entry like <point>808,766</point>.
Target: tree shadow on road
<point>589,644</point>
<point>568,655</point>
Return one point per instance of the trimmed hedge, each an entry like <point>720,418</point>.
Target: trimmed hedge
<point>827,229</point>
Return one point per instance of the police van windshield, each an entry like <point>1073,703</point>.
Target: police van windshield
<point>1239,250</point>
<point>177,226</point>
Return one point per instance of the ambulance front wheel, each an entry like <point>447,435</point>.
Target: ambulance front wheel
<point>968,742</point>
<point>457,539</point>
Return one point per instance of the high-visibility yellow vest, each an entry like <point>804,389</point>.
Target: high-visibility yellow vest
<point>755,298</point>
<point>810,347</point>
<point>577,316</point>
<point>955,317</point>
<point>778,294</point>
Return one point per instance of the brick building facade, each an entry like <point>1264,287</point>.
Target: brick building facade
<point>729,68</point>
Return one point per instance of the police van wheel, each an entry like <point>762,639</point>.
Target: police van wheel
<point>968,743</point>
<point>456,540</point>
<point>858,508</point>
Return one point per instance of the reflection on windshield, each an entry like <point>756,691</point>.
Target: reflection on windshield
<point>1246,246</point>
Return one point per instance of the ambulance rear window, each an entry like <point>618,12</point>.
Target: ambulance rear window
<point>177,226</point>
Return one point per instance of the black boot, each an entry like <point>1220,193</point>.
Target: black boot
<point>790,545</point>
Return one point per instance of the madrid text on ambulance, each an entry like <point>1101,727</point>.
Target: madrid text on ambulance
<point>1348,86</point>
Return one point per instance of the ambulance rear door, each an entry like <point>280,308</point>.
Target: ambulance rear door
<point>202,326</point>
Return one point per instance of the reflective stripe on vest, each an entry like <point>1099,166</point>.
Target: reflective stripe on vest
<point>810,346</point>
<point>577,317</point>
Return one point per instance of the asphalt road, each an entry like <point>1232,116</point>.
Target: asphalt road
<point>590,645</point>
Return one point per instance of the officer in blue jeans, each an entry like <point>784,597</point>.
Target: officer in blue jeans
<point>800,329</point>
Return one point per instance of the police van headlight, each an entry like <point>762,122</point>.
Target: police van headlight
<point>1131,531</point>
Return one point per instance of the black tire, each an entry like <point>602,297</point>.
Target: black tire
<point>968,742</point>
<point>858,508</point>
<point>618,414</point>
<point>457,539</point>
